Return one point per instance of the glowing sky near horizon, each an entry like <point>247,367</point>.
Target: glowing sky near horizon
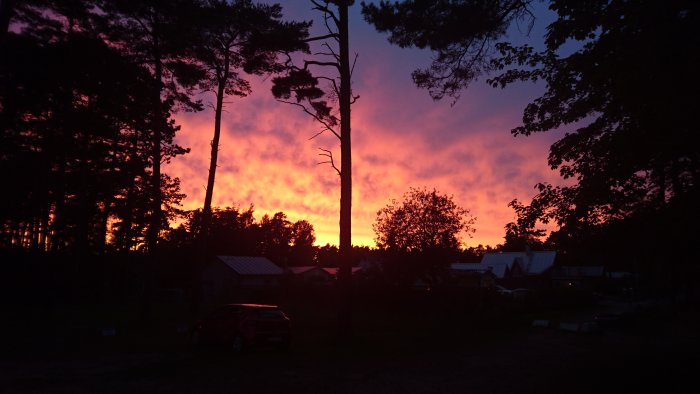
<point>400,139</point>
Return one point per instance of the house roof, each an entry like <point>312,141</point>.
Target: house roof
<point>334,271</point>
<point>497,268</point>
<point>249,265</point>
<point>304,269</point>
<point>532,263</point>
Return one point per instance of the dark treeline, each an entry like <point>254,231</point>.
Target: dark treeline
<point>236,232</point>
<point>88,90</point>
<point>85,126</point>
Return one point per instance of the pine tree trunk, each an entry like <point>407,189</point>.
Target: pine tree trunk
<point>206,211</point>
<point>154,227</point>
<point>345,271</point>
<point>159,121</point>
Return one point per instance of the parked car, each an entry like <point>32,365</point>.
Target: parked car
<point>242,326</point>
<point>521,293</point>
<point>502,290</point>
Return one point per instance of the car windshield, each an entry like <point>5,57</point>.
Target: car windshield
<point>270,313</point>
<point>223,313</point>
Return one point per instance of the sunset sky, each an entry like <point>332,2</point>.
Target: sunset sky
<point>400,139</point>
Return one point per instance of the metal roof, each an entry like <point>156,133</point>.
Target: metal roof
<point>533,263</point>
<point>248,265</point>
<point>301,270</point>
<point>497,268</point>
<point>334,271</point>
<point>468,266</point>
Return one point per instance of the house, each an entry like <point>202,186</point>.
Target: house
<point>226,275</point>
<point>578,277</point>
<point>310,275</point>
<point>531,262</point>
<point>592,278</point>
<point>334,271</point>
<point>466,275</point>
<point>514,267</point>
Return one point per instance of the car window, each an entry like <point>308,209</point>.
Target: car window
<point>224,313</point>
<point>270,313</point>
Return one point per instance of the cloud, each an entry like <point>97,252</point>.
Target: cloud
<point>401,138</point>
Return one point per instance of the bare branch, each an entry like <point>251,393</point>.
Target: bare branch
<point>335,85</point>
<point>326,17</point>
<point>317,134</point>
<point>325,10</point>
<point>329,155</point>
<point>334,54</point>
<point>323,37</point>
<point>307,63</point>
<point>352,69</point>
<point>313,115</point>
<point>324,54</point>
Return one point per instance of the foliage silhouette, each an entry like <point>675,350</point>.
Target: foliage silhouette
<point>156,35</point>
<point>232,38</point>
<point>628,145</point>
<point>425,221</point>
<point>620,80</point>
<point>300,82</point>
<point>234,231</point>
<point>73,134</point>
<point>462,34</point>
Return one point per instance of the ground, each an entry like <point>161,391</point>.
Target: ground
<point>438,353</point>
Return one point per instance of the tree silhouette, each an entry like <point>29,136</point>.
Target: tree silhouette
<point>522,233</point>
<point>72,133</point>
<point>629,146</point>
<point>236,37</point>
<point>301,83</point>
<point>462,34</point>
<point>157,35</point>
<point>620,80</point>
<point>234,231</point>
<point>425,221</point>
<point>303,238</point>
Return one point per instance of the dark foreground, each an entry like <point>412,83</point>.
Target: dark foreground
<point>656,352</point>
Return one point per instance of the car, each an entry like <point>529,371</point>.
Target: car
<point>502,290</point>
<point>239,327</point>
<point>521,293</point>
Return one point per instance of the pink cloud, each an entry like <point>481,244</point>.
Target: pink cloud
<point>401,138</point>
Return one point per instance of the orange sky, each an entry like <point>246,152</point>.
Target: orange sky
<point>400,137</point>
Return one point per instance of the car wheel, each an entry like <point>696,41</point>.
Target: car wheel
<point>237,345</point>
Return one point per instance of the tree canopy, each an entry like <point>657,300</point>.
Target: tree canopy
<point>88,91</point>
<point>424,221</point>
<point>626,99</point>
<point>619,79</point>
<point>234,231</point>
<point>462,34</point>
<point>76,125</point>
<point>234,38</point>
